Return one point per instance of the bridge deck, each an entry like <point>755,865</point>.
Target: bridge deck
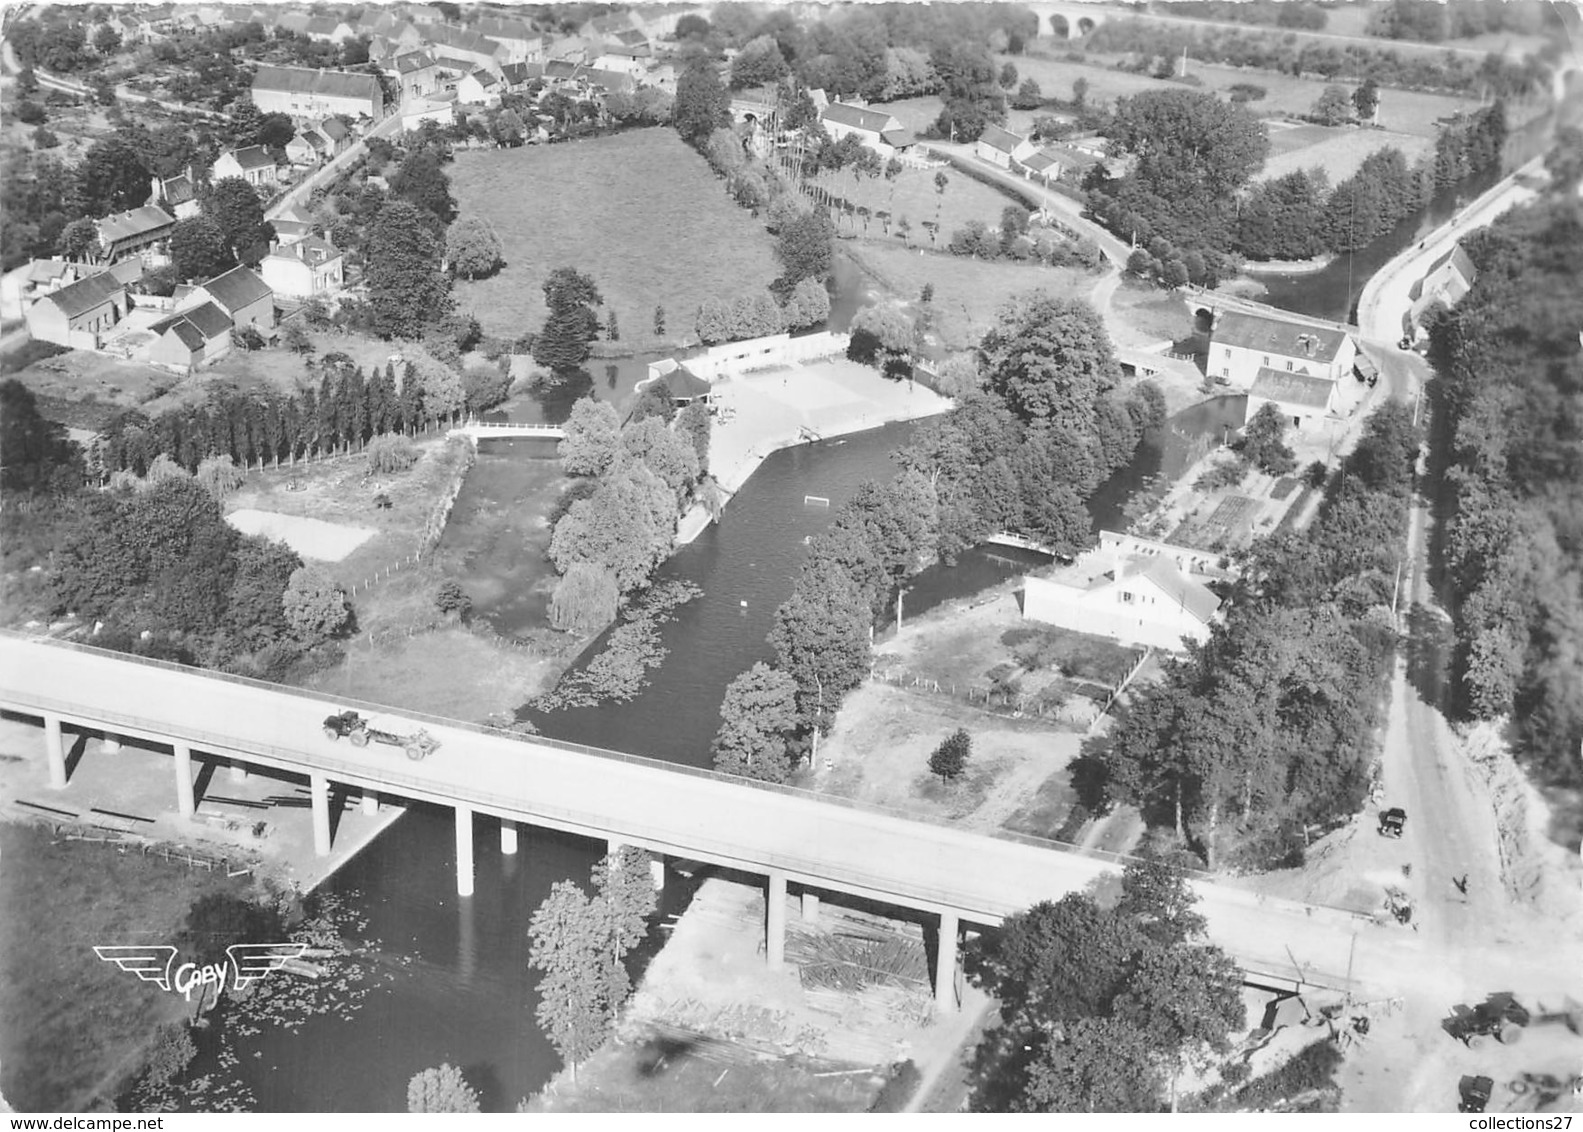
<point>695,814</point>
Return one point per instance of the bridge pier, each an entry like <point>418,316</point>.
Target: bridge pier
<point>370,802</point>
<point>237,771</point>
<point>464,851</point>
<point>185,802</point>
<point>657,871</point>
<point>111,742</point>
<point>319,790</point>
<point>945,965</point>
<point>810,906</point>
<point>508,836</point>
<point>55,752</point>
<point>775,921</point>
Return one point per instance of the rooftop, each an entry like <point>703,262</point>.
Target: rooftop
<point>133,223</point>
<point>1277,336</point>
<point>196,326</point>
<point>84,295</point>
<point>859,117</point>
<point>1292,388</point>
<point>306,80</point>
<point>252,157</point>
<point>237,288</point>
<point>460,39</point>
<point>1003,140</point>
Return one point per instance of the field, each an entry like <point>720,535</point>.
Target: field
<point>1407,112</point>
<point>74,1026</point>
<point>967,292</point>
<point>1338,150</point>
<point>640,212</point>
<point>912,195</point>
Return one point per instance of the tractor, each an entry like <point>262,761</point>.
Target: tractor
<point>1500,1016</point>
<point>355,728</point>
<point>1392,821</point>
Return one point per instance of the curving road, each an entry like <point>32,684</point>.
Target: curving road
<point>691,814</point>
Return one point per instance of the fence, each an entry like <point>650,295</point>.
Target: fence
<point>433,528</point>
<point>1079,710</point>
<point>147,848</point>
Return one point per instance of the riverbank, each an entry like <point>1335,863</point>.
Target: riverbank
<point>761,413</point>
<point>712,1029</point>
<point>1288,266</point>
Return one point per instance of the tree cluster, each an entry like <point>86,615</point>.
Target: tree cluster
<point>1508,357</point>
<point>566,340</point>
<point>1294,14</point>
<point>1430,22</point>
<point>580,942</point>
<point>1266,729</point>
<point>1355,62</point>
<point>745,316</point>
<point>1102,1008</point>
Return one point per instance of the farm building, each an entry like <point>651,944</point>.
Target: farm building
<point>464,50</point>
<point>137,231</point>
<point>177,195</point>
<point>416,72</point>
<point>1240,345</point>
<point>522,44</point>
<point>480,88</point>
<point>1133,595</point>
<point>1448,279</point>
<point>191,338</point>
<point>876,129</point>
<point>239,293</point>
<point>303,92</point>
<point>1002,147</point>
<point>78,313</point>
<point>1303,400</point>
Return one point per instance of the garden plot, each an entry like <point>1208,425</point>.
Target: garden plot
<point>311,538</point>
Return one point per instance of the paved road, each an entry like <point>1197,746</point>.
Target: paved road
<point>332,169</point>
<point>860,850</point>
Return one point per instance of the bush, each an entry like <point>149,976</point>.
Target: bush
<point>950,757</point>
<point>171,1053</point>
<point>1247,92</point>
<point>1314,1067</point>
<point>452,598</point>
<point>30,113</point>
<point>220,476</point>
<point>585,599</point>
<point>1229,474</point>
<point>391,453</point>
<point>898,1089</point>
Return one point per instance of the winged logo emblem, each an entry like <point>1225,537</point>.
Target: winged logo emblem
<point>253,961</point>
<point>156,963</point>
<point>149,962</point>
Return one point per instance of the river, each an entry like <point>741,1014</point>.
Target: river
<point>460,990</point>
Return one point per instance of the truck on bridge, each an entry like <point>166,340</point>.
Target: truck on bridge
<point>418,745</point>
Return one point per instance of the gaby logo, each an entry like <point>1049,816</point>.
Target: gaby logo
<point>156,964</point>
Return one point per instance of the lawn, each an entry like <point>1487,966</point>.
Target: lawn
<point>1401,111</point>
<point>967,292</point>
<point>1338,150</point>
<point>640,212</point>
<point>75,1026</point>
<point>912,195</point>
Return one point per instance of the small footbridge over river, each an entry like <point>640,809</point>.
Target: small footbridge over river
<point>476,431</point>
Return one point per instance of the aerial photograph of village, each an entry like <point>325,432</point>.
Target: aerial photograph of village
<point>791,557</point>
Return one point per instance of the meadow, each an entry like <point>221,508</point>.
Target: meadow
<point>639,211</point>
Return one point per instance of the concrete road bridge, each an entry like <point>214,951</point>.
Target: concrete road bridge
<point>817,843</point>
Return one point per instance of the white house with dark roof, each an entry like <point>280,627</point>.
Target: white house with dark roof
<point>79,313</point>
<point>252,164</point>
<point>1446,282</point>
<point>522,43</point>
<point>309,266</point>
<point>1133,593</point>
<point>177,195</point>
<point>876,129</point>
<point>1240,345</point>
<point>328,29</point>
<point>478,88</point>
<point>137,231</point>
<point>292,225</point>
<point>631,61</point>
<point>303,92</point>
<point>1002,147</point>
<point>466,46</point>
<point>416,73</point>
<point>241,294</point>
<point>1304,401</point>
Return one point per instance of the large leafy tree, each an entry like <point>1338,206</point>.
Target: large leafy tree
<point>233,205</point>
<point>198,248</point>
<point>441,1090</point>
<point>112,177</point>
<point>628,525</point>
<point>1282,218</point>
<point>473,249</point>
<point>664,452</point>
<point>593,436</point>
<point>35,447</point>
<point>406,289</point>
<point>806,247</point>
<point>568,944</point>
<point>315,607</point>
<point>759,63</point>
<point>702,103</point>
<point>821,638</point>
<point>1097,1065</point>
<point>1050,360</point>
<point>420,179</point>
<point>758,717</point>
<point>565,342</point>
